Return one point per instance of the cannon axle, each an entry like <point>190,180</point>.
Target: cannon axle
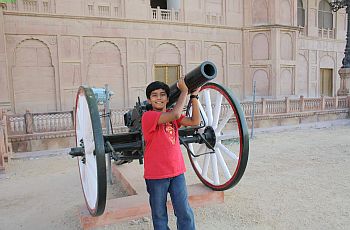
<point>77,152</point>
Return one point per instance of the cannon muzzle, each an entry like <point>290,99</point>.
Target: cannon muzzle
<point>196,78</point>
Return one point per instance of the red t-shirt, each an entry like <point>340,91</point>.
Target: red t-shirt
<point>162,157</point>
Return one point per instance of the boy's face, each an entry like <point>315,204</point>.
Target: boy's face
<point>158,99</point>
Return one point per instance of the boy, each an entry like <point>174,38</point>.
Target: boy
<point>163,161</point>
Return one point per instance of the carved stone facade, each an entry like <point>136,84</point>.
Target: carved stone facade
<point>48,48</point>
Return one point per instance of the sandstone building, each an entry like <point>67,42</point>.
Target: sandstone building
<point>48,48</point>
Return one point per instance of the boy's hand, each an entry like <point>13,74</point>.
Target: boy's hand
<point>196,91</point>
<point>182,85</point>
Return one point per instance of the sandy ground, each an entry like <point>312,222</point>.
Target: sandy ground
<point>295,179</point>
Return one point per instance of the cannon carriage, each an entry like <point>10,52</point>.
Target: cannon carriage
<point>218,148</point>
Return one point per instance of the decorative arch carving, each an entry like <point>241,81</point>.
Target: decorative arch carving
<point>286,82</point>
<point>327,62</point>
<point>167,53</point>
<point>261,78</point>
<point>105,67</point>
<point>260,47</point>
<point>33,77</point>
<point>260,13</point>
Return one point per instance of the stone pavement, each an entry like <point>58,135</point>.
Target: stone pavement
<point>130,177</point>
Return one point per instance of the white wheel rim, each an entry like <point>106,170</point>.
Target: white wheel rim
<point>88,171</point>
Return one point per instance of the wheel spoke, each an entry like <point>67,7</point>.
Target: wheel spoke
<point>217,110</point>
<point>223,164</point>
<point>205,117</point>
<point>208,107</point>
<point>227,151</point>
<point>227,136</point>
<point>206,165</point>
<point>224,121</point>
<point>214,168</point>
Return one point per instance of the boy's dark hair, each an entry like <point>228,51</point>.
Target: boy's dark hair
<point>157,85</point>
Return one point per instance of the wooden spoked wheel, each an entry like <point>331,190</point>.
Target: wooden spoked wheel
<point>92,165</point>
<point>221,167</point>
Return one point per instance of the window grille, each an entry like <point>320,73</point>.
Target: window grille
<point>103,11</point>
<point>168,74</point>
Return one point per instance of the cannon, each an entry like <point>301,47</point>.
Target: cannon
<point>218,148</point>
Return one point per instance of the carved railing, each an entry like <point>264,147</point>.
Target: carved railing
<point>32,123</point>
<point>34,6</point>
<point>302,104</point>
<point>326,33</point>
<point>165,15</point>
<point>5,147</point>
<point>215,19</point>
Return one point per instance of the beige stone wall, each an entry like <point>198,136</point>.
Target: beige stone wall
<point>51,47</point>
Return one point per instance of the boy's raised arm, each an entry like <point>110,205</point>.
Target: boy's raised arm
<point>195,119</point>
<point>175,113</point>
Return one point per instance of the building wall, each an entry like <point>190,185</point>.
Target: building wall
<point>51,47</point>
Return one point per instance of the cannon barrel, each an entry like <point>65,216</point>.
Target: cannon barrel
<point>194,79</point>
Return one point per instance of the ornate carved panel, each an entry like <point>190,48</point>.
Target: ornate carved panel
<point>260,12</point>
<point>286,47</point>
<point>194,51</point>
<point>216,55</point>
<point>137,74</point>
<point>301,81</point>
<point>235,52</point>
<point>137,49</point>
<point>313,56</point>
<point>260,47</point>
<point>70,48</point>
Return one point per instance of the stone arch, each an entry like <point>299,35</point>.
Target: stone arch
<point>286,82</point>
<point>260,47</point>
<point>285,12</point>
<point>33,77</point>
<point>262,82</point>
<point>301,81</point>
<point>327,62</point>
<point>105,67</point>
<point>260,13</point>
<point>167,53</point>
<point>216,55</point>
<point>286,46</point>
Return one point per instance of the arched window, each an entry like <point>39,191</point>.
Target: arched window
<point>325,16</point>
<point>301,14</point>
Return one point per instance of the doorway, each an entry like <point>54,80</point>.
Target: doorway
<point>326,82</point>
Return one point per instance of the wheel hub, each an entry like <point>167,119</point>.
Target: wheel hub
<point>78,151</point>
<point>210,136</point>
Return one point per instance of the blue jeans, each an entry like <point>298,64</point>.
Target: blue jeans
<point>158,190</point>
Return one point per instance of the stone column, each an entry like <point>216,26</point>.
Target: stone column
<point>344,82</point>
<point>4,90</point>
